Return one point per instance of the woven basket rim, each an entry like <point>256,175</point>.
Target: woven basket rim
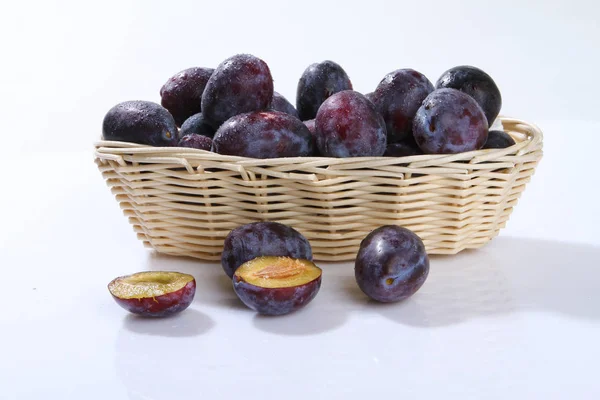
<point>106,149</point>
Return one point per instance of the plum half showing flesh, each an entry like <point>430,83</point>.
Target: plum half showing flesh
<point>277,285</point>
<point>154,293</point>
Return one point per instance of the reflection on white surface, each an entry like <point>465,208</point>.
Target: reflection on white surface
<point>186,324</point>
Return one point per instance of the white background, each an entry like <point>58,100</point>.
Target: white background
<point>519,318</point>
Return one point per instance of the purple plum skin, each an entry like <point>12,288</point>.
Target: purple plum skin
<point>141,122</point>
<point>391,264</point>
<point>160,306</point>
<point>276,301</point>
<point>477,84</point>
<point>397,98</point>
<point>256,239</point>
<point>317,83</point>
<point>196,142</point>
<point>280,103</point>
<point>347,125</point>
<point>196,124</point>
<point>404,148</point>
<point>311,125</point>
<point>182,93</point>
<point>240,84</point>
<point>450,122</point>
<point>266,134</point>
<point>498,140</point>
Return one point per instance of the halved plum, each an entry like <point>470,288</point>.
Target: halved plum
<point>154,293</point>
<point>277,285</point>
<point>264,238</point>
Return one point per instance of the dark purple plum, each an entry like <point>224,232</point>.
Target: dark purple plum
<point>280,103</point>
<point>449,122</point>
<point>391,264</point>
<point>141,122</point>
<point>498,140</point>
<point>397,98</point>
<point>404,148</point>
<point>266,134</point>
<point>317,84</point>
<point>196,142</point>
<point>196,124</point>
<point>310,124</point>
<point>277,285</point>
<point>370,96</point>
<point>240,84</point>
<point>182,93</point>
<point>348,125</point>
<point>256,239</point>
<point>477,84</point>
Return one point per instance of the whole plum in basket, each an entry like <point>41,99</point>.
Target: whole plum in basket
<point>182,93</point>
<point>498,140</point>
<point>196,124</point>
<point>265,134</point>
<point>256,239</point>
<point>310,124</point>
<point>449,122</point>
<point>348,125</point>
<point>317,84</point>
<point>140,122</point>
<point>477,84</point>
<point>370,96</point>
<point>240,84</point>
<point>196,142</point>
<point>397,98</point>
<point>282,104</point>
<point>404,148</point>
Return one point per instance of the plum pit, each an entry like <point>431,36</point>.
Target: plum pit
<point>278,272</point>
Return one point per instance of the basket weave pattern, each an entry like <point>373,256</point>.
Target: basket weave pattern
<point>185,201</point>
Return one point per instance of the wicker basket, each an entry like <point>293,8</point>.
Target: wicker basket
<point>185,201</point>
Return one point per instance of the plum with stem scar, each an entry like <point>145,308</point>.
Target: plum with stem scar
<point>391,264</point>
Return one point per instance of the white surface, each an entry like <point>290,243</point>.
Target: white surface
<point>519,318</point>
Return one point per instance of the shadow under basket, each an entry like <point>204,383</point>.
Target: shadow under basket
<point>185,201</point>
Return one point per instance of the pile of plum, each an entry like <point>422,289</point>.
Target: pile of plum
<point>272,272</point>
<point>233,110</point>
